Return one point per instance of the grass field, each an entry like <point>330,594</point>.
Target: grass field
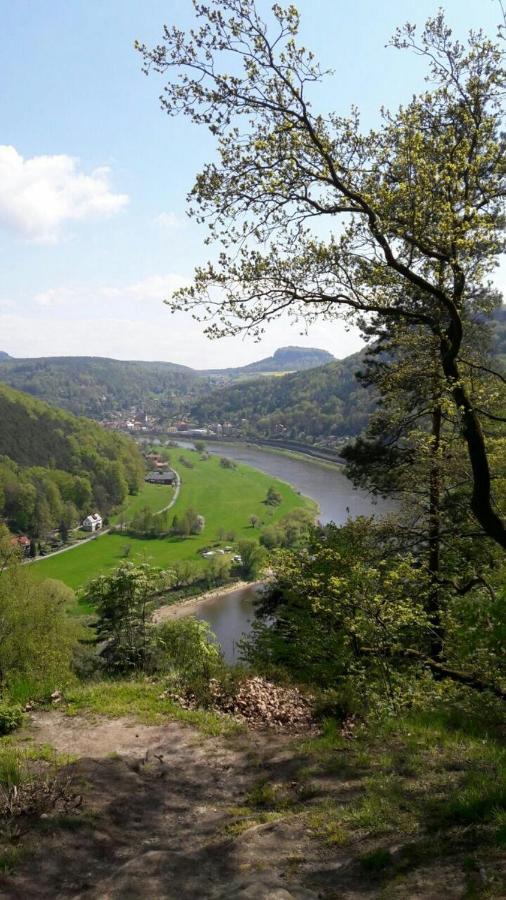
<point>225,497</point>
<point>154,496</point>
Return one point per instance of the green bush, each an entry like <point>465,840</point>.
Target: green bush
<point>11,717</point>
<point>37,636</point>
<point>187,654</point>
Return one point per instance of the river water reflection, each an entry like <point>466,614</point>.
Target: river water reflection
<point>230,615</point>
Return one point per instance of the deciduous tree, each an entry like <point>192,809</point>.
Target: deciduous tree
<point>411,213</point>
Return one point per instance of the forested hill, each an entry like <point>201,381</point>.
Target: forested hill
<point>53,463</point>
<point>286,359</point>
<point>96,387</point>
<point>319,403</point>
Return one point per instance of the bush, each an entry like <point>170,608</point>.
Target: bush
<point>187,654</point>
<point>226,463</point>
<point>11,717</point>
<point>37,636</point>
<point>273,497</point>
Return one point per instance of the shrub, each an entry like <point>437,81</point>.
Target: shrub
<point>37,636</point>
<point>187,654</point>
<point>11,717</point>
<point>273,497</point>
<point>226,463</point>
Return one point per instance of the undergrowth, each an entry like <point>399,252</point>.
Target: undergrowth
<point>143,700</point>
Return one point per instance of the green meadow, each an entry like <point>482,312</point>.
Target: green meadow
<point>153,496</point>
<point>225,497</point>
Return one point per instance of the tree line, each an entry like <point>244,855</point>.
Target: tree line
<point>56,468</point>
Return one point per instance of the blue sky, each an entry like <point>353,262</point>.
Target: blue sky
<point>93,176</point>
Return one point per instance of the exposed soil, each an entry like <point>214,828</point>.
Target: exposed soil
<point>157,820</point>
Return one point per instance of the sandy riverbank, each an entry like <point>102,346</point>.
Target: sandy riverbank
<point>194,604</point>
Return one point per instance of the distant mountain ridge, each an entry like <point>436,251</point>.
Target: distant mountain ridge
<point>285,359</point>
<point>4,355</point>
<point>97,386</point>
<point>322,403</point>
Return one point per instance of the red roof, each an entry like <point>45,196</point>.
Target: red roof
<point>22,540</point>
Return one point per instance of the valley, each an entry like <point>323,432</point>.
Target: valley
<point>253,593</point>
<point>227,498</point>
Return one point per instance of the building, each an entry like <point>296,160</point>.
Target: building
<point>92,522</point>
<point>161,477</point>
<point>22,543</point>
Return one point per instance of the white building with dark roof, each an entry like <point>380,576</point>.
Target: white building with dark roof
<point>92,522</point>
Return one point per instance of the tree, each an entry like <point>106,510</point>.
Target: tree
<point>411,451</point>
<point>189,523</point>
<point>42,520</point>
<point>252,558</point>
<point>273,497</point>
<point>68,520</point>
<point>37,635</point>
<point>352,608</point>
<point>124,601</point>
<point>254,521</point>
<point>183,572</point>
<point>200,446</point>
<point>406,207</point>
<point>217,570</point>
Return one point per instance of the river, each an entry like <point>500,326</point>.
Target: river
<point>324,482</point>
<point>230,615</point>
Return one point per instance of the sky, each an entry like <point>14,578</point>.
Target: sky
<point>94,176</point>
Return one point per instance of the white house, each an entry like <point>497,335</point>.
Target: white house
<point>93,522</point>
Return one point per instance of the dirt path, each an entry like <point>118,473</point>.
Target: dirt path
<point>167,814</point>
<point>153,822</point>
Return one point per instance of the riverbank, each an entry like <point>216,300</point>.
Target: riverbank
<point>193,605</point>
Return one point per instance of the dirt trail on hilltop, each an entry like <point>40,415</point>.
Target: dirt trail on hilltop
<point>154,816</point>
<point>167,814</point>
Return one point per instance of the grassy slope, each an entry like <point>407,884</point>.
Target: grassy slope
<point>226,497</point>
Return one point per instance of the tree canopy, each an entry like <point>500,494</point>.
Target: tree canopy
<point>411,212</point>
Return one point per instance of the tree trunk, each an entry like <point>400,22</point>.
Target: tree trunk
<point>481,500</point>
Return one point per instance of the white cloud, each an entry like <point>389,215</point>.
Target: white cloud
<point>39,195</point>
<point>127,299</point>
<point>168,220</point>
